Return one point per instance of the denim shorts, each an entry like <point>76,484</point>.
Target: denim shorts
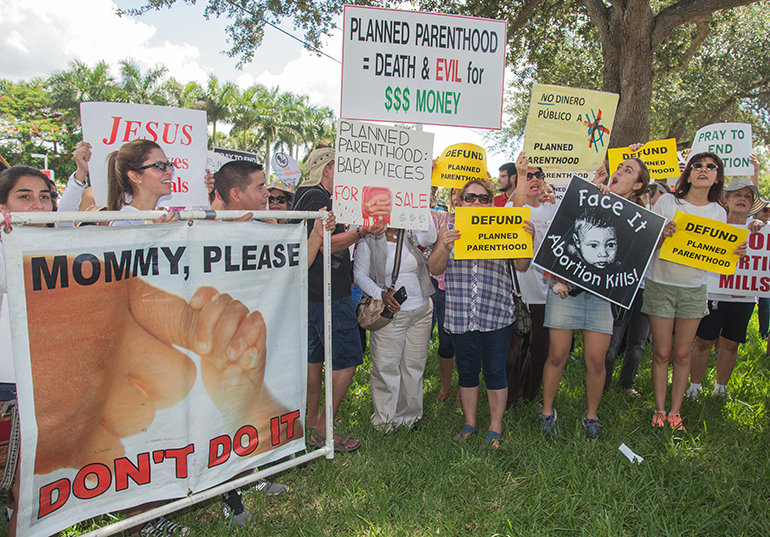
<point>490,349</point>
<point>674,302</point>
<point>585,311</point>
<point>346,342</point>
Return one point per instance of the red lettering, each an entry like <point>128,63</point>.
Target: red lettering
<point>275,431</point>
<point>186,134</point>
<point>289,420</point>
<point>124,469</point>
<point>219,450</point>
<point>152,132</point>
<point>439,61</point>
<point>726,281</point>
<point>345,192</point>
<point>754,283</point>
<point>114,133</point>
<point>103,481</point>
<point>47,502</point>
<point>186,165</point>
<point>743,263</point>
<point>756,241</point>
<point>764,284</point>
<point>181,459</point>
<point>423,201</point>
<point>165,133</point>
<point>131,131</point>
<point>253,440</point>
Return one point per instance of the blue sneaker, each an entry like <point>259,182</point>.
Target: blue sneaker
<point>592,429</point>
<point>548,425</point>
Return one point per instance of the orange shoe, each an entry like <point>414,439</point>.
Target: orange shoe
<point>675,422</point>
<point>659,419</point>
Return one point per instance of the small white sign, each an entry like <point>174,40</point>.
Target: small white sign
<point>285,168</point>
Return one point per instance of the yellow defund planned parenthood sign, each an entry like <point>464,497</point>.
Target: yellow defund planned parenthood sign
<point>703,243</point>
<point>492,233</point>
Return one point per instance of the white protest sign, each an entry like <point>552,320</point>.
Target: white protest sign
<point>220,156</point>
<point>382,173</point>
<point>6,357</point>
<point>559,179</point>
<point>413,67</point>
<point>181,133</point>
<point>285,168</point>
<point>730,141</point>
<point>751,277</point>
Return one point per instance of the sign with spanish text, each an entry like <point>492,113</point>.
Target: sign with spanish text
<point>752,275</point>
<point>659,156</point>
<point>382,174</point>
<point>152,361</point>
<point>730,141</point>
<point>703,243</point>
<point>569,127</point>
<point>416,67</point>
<point>285,168</point>
<point>600,242</point>
<point>180,132</point>
<point>459,164</point>
<point>492,233</point>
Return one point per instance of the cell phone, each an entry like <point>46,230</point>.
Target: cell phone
<point>400,297</point>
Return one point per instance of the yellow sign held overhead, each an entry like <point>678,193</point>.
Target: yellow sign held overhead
<point>492,233</point>
<point>660,157</point>
<point>459,164</point>
<point>703,243</point>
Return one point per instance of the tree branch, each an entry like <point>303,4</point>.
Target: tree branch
<point>523,16</point>
<point>685,11</point>
<point>703,27</point>
<point>600,16</point>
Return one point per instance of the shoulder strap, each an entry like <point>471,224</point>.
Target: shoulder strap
<point>397,260</point>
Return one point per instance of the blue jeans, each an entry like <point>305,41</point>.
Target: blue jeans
<point>445,349</point>
<point>488,349</point>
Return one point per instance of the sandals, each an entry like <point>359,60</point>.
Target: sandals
<point>318,441</point>
<point>466,433</point>
<point>493,440</point>
<point>443,396</point>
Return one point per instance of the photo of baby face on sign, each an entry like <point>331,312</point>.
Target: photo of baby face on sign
<point>382,174</point>
<point>600,242</point>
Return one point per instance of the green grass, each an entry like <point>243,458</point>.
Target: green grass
<point>712,480</point>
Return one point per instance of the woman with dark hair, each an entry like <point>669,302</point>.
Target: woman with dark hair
<point>138,175</point>
<point>675,295</point>
<point>22,189</point>
<point>479,317</point>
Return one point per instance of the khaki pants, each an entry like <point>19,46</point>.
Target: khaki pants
<point>399,352</point>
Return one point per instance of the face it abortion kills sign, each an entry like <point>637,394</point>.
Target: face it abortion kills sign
<point>412,67</point>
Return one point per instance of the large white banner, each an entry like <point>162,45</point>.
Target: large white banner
<point>414,67</point>
<point>730,141</point>
<point>382,174</point>
<point>153,360</point>
<point>180,132</point>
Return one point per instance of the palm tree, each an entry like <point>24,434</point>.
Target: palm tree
<point>144,88</point>
<point>79,84</point>
<point>218,102</point>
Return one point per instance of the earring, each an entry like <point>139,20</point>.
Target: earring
<point>140,182</point>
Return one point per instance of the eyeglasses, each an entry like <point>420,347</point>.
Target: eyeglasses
<point>162,166</point>
<point>709,166</point>
<point>470,198</point>
<point>279,199</point>
<point>538,174</point>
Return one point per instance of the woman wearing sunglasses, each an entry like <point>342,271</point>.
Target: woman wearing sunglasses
<point>675,296</point>
<point>479,317</point>
<point>280,198</point>
<point>138,175</point>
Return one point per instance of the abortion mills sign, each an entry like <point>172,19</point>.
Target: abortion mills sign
<point>412,67</point>
<point>600,242</point>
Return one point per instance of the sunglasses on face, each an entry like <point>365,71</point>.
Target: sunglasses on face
<point>537,174</point>
<point>278,199</point>
<point>162,166</point>
<point>470,198</point>
<point>699,166</point>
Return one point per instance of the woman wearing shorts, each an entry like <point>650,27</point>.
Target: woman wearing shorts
<point>675,296</point>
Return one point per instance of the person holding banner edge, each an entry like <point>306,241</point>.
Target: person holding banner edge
<point>479,317</point>
<point>675,296</point>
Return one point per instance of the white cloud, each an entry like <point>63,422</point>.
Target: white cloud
<point>45,35</point>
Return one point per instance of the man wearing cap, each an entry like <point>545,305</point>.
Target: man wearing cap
<point>313,195</point>
<point>729,314</point>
